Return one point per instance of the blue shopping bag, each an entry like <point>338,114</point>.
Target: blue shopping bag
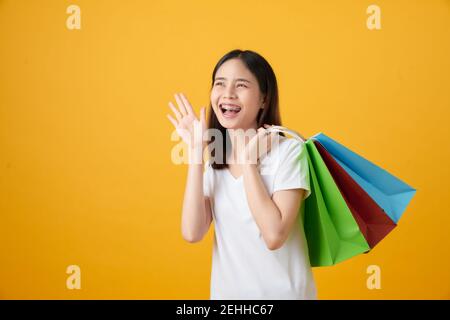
<point>389,192</point>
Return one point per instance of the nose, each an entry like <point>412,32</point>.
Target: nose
<point>229,92</point>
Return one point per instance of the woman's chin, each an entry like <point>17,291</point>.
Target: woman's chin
<point>230,123</point>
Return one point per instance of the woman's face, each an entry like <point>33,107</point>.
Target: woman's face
<point>235,96</point>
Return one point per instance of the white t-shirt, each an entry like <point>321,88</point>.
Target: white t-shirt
<point>242,265</point>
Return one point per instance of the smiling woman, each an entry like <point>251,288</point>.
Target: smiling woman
<point>260,250</point>
<point>243,79</point>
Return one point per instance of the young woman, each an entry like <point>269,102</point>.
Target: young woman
<point>260,250</point>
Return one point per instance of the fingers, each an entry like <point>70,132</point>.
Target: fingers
<point>177,113</point>
<point>270,134</point>
<point>174,122</point>
<point>266,139</point>
<point>187,105</point>
<point>181,105</point>
<point>271,137</point>
<point>261,132</point>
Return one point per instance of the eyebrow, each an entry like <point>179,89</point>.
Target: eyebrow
<point>239,79</point>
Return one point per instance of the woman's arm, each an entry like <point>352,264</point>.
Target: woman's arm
<point>196,216</point>
<point>274,217</point>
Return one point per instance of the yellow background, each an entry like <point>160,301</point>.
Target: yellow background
<point>86,176</point>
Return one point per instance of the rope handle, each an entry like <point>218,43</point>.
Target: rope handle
<point>292,133</point>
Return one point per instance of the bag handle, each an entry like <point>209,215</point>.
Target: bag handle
<point>292,133</point>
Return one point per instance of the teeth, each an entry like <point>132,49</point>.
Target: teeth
<point>230,107</point>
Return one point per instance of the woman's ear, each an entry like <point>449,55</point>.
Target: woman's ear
<point>263,103</point>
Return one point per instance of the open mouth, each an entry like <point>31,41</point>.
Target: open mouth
<point>229,110</point>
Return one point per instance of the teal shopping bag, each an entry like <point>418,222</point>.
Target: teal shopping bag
<point>388,191</point>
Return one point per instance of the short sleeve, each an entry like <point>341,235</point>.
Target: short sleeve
<point>207,179</point>
<point>293,169</point>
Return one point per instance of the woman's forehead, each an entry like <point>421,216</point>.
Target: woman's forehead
<point>234,69</point>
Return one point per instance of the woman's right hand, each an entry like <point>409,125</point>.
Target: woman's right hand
<point>188,126</point>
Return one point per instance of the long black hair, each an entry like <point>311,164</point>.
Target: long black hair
<point>267,82</point>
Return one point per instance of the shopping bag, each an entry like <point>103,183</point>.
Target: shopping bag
<point>331,231</point>
<point>373,222</point>
<point>353,203</point>
<point>389,192</point>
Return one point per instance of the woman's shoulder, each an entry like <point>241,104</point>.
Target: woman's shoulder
<point>287,146</point>
<point>281,150</point>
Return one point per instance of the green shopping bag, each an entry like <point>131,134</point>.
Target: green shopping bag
<point>330,229</point>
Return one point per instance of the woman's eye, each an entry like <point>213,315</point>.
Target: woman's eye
<point>221,83</point>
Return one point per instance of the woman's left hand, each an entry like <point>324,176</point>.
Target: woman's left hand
<point>258,146</point>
